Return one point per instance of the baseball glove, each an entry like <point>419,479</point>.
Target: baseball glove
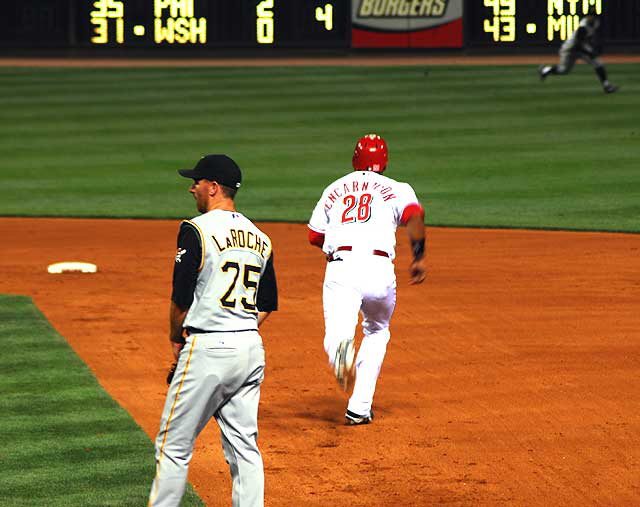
<point>171,373</point>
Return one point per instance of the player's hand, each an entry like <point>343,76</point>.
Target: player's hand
<point>417,272</point>
<point>176,348</point>
<point>171,373</point>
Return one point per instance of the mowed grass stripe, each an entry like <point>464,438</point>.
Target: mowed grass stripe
<point>393,82</point>
<point>476,142</point>
<point>63,441</point>
<point>385,98</point>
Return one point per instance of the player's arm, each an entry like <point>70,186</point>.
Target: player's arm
<point>176,319</point>
<point>413,218</point>
<point>185,275</point>
<point>318,223</point>
<point>262,316</point>
<point>267,297</point>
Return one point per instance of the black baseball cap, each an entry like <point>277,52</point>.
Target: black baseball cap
<point>219,168</point>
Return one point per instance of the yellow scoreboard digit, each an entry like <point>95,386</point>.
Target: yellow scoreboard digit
<point>502,25</point>
<point>103,12</point>
<point>325,15</point>
<point>265,25</point>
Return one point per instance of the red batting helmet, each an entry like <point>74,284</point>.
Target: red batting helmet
<point>370,154</point>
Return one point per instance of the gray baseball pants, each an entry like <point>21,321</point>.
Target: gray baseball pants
<point>218,375</point>
<point>568,59</point>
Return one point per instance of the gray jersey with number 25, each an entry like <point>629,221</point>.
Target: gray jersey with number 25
<point>234,257</point>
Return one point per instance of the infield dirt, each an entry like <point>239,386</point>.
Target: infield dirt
<point>511,378</point>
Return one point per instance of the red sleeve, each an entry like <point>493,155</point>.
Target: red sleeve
<point>410,211</point>
<point>316,238</point>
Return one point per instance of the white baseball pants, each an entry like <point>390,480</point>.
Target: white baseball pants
<point>359,283</point>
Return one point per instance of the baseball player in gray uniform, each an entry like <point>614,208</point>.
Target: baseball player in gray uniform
<point>582,44</point>
<point>224,287</point>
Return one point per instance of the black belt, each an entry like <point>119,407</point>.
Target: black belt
<point>349,248</point>
<point>194,330</point>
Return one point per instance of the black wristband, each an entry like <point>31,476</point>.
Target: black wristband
<point>417,245</point>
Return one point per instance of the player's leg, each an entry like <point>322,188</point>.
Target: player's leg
<point>546,70</point>
<point>601,72</point>
<point>566,63</point>
<point>238,421</point>
<point>377,308</point>
<point>341,302</point>
<point>188,407</point>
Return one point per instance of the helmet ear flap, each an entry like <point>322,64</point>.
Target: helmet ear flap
<point>370,154</point>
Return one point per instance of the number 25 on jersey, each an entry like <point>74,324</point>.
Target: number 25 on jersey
<point>247,289</point>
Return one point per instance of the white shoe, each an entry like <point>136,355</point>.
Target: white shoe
<point>541,72</point>
<point>343,363</point>
<point>354,419</point>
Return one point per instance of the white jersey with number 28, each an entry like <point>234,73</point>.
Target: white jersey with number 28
<point>362,210</point>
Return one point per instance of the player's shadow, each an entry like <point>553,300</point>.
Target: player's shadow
<point>323,408</point>
<point>329,408</point>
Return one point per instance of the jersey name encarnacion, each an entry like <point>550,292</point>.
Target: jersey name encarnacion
<point>362,210</point>
<point>386,191</point>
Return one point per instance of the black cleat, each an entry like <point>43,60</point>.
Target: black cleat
<point>354,419</point>
<point>610,88</point>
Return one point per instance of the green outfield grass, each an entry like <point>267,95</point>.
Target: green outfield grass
<point>483,146</point>
<point>63,441</point>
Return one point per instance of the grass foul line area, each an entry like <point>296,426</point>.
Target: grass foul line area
<point>63,441</point>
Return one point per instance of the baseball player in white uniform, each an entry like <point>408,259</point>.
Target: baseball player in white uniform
<point>354,223</point>
<point>581,44</point>
<point>224,287</point>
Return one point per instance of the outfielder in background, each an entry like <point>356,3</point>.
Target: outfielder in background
<point>584,43</point>
<point>354,223</point>
<point>224,287</point>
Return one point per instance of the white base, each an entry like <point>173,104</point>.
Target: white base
<point>72,267</point>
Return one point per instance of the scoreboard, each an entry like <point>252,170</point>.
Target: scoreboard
<point>530,23</point>
<point>176,23</point>
<point>221,24</point>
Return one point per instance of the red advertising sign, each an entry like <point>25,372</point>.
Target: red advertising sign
<point>407,23</point>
